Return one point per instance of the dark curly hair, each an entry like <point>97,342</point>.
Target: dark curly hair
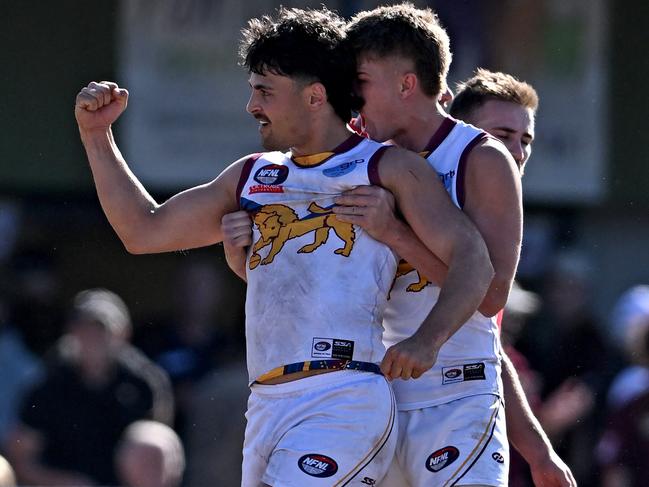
<point>407,31</point>
<point>307,45</point>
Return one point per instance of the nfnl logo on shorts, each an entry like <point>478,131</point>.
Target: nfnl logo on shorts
<point>271,174</point>
<point>317,465</point>
<point>442,458</point>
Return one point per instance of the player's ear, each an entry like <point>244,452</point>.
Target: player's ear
<point>316,95</point>
<point>409,82</point>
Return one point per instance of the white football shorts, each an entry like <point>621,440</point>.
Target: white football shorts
<point>462,442</point>
<point>328,430</point>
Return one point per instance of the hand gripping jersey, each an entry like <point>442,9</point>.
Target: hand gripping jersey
<point>469,362</point>
<point>317,287</point>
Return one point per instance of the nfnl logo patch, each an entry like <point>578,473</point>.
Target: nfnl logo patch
<point>271,174</point>
<point>317,465</point>
<point>442,458</point>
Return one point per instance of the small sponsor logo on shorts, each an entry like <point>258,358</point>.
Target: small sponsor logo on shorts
<point>442,458</point>
<point>322,346</point>
<point>498,457</point>
<point>368,481</point>
<point>460,373</point>
<point>474,371</point>
<point>452,373</point>
<point>342,169</point>
<point>333,348</point>
<point>271,174</point>
<point>317,465</point>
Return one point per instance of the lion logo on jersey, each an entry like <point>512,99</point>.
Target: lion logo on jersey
<point>405,268</point>
<point>278,223</point>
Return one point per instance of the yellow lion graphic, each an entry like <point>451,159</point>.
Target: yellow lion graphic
<point>278,223</point>
<point>405,268</point>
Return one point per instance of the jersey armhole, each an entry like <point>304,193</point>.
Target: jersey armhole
<point>461,167</point>
<point>245,173</point>
<point>373,166</point>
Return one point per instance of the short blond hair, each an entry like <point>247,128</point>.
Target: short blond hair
<point>406,31</point>
<point>491,85</point>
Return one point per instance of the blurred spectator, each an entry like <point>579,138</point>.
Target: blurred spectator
<point>563,407</point>
<point>623,451</point>
<point>150,454</point>
<point>7,477</point>
<point>95,385</point>
<point>197,338</point>
<point>629,324</point>
<point>19,368</point>
<point>564,344</point>
<point>215,435</point>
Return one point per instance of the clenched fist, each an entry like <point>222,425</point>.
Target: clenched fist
<point>98,105</point>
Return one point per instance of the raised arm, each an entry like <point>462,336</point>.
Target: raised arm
<point>189,219</point>
<point>447,233</point>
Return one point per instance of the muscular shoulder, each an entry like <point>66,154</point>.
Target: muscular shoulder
<point>397,164</point>
<point>490,167</point>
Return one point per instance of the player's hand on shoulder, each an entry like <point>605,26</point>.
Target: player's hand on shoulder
<point>237,229</point>
<point>371,208</point>
<point>408,359</point>
<point>98,105</point>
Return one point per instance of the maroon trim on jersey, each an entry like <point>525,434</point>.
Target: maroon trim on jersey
<point>459,185</point>
<point>245,173</point>
<point>440,134</point>
<point>351,142</point>
<point>373,166</point>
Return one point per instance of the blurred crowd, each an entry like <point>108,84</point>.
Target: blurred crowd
<point>92,397</point>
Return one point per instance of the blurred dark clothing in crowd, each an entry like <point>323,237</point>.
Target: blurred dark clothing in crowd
<point>566,345</point>
<point>95,384</point>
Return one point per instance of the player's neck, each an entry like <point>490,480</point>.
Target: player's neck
<point>323,139</point>
<point>421,124</point>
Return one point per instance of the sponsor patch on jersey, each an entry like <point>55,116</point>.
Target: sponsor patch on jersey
<point>271,174</point>
<point>265,188</point>
<point>342,169</point>
<point>317,465</point>
<point>442,458</point>
<point>333,348</point>
<point>498,457</point>
<point>460,373</point>
<point>446,179</point>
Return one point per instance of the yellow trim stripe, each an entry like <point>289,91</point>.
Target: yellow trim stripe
<point>477,448</point>
<point>313,159</point>
<point>377,446</point>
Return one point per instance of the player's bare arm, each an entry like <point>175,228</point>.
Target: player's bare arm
<point>448,233</point>
<point>237,235</point>
<point>527,435</point>
<point>190,219</point>
<point>493,204</point>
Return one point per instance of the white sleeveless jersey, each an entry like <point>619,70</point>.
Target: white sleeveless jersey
<point>317,287</point>
<point>469,362</point>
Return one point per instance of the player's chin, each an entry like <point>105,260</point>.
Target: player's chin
<point>271,143</point>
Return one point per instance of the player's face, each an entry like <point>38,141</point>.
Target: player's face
<point>277,103</point>
<point>379,83</point>
<point>510,122</point>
